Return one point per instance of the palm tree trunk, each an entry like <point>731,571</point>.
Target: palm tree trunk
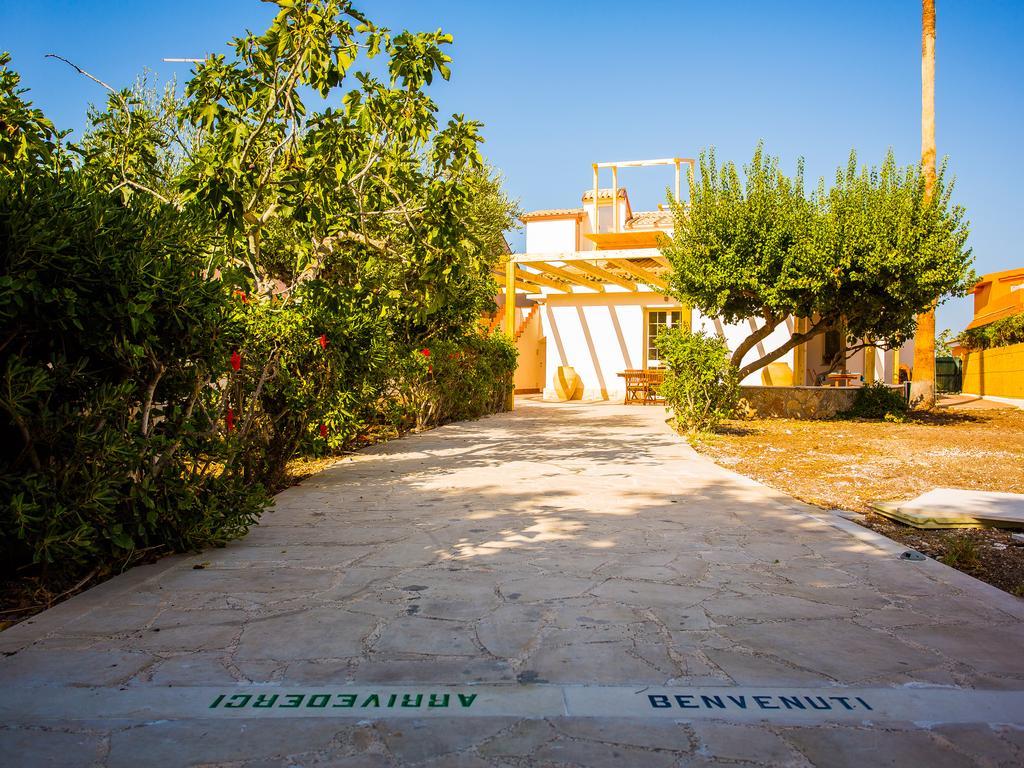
<point>924,337</point>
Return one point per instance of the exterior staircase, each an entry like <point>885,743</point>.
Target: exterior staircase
<point>526,320</point>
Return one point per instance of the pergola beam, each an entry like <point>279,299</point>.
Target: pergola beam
<point>543,280</point>
<point>641,274</point>
<point>645,163</point>
<point>576,279</point>
<point>599,255</point>
<point>603,274</point>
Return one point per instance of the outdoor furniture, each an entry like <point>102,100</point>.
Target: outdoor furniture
<point>842,379</point>
<point>642,385</point>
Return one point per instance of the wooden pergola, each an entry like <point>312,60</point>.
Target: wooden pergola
<point>621,260</point>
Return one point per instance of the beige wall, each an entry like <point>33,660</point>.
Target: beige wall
<point>855,363</point>
<point>531,345</point>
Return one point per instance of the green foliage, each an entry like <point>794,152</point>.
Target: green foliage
<point>943,343</point>
<point>962,552</point>
<point>27,138</point>
<point>204,287</point>
<point>870,253</point>
<point>701,386</point>
<point>109,335</point>
<point>449,380</point>
<point>1000,333</point>
<point>879,401</point>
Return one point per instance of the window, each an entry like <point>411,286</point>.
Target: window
<point>657,321</point>
<point>831,348</point>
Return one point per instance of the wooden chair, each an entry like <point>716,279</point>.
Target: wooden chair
<point>636,386</point>
<point>655,378</point>
<point>642,385</point>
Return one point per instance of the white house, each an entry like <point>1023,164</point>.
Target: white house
<point>591,293</point>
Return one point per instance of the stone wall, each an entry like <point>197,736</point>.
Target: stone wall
<point>797,402</point>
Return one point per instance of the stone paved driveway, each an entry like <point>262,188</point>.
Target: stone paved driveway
<point>565,585</point>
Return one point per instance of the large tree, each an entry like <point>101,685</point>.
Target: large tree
<point>867,254</point>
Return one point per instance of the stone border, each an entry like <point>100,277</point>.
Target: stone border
<point>779,705</point>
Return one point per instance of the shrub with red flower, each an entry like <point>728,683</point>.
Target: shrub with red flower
<point>425,352</point>
<point>236,361</point>
<point>322,341</point>
<point>231,420</point>
<point>323,430</point>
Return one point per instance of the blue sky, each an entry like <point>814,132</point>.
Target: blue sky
<point>560,85</point>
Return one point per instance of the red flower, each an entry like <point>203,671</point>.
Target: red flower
<point>322,341</point>
<point>231,420</point>
<point>242,295</point>
<point>425,352</point>
<point>430,369</point>
<point>236,360</point>
<point>323,430</point>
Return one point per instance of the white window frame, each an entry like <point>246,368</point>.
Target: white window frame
<point>669,310</point>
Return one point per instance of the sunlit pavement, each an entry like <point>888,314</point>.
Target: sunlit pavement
<point>562,585</point>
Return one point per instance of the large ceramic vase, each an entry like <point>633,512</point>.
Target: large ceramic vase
<point>777,375</point>
<point>568,384</point>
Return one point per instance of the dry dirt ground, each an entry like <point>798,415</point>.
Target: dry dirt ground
<point>847,464</point>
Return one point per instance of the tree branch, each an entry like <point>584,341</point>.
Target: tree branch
<point>795,340</point>
<point>762,333</point>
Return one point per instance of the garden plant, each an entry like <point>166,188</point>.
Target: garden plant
<point>215,280</point>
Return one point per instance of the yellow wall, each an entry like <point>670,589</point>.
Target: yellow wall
<point>998,371</point>
<point>530,371</point>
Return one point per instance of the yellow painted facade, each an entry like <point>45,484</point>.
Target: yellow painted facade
<point>997,372</point>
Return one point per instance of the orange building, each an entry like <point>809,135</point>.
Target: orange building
<point>998,295</point>
<point>998,372</point>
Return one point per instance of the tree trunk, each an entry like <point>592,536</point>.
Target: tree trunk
<point>924,337</point>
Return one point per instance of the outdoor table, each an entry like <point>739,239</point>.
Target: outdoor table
<point>642,384</point>
<point>842,379</point>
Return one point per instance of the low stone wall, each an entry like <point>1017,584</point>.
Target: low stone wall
<point>797,402</point>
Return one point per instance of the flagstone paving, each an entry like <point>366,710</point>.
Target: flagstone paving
<point>597,592</point>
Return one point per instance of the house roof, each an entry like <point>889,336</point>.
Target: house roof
<point>650,220</point>
<point>603,194</point>
<point>553,213</point>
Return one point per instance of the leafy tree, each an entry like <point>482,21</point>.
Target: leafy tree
<point>868,254</point>
<point>27,137</point>
<point>205,285</point>
<point>999,333</point>
<point>369,222</point>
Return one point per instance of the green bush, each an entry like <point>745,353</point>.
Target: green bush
<point>879,401</point>
<point>702,385</point>
<point>448,380</point>
<point>198,291</point>
<point>1001,333</point>
<point>112,339</point>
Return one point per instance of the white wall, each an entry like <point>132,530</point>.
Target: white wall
<point>735,333</point>
<point>600,334</point>
<point>551,235</point>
